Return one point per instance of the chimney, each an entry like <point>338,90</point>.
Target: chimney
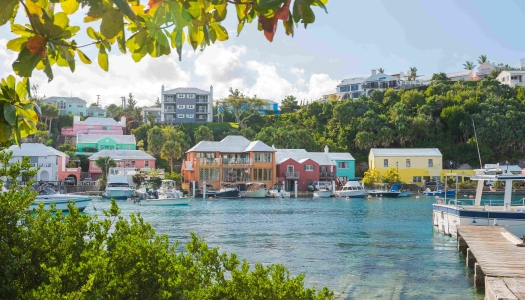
<point>76,119</point>
<point>273,146</point>
<point>325,149</point>
<point>373,72</point>
<point>162,89</point>
<point>123,121</point>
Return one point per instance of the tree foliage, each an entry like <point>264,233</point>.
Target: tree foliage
<point>203,133</point>
<point>289,104</point>
<point>241,106</point>
<point>105,163</point>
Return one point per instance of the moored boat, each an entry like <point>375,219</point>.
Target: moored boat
<point>117,187</point>
<point>398,187</point>
<point>323,192</point>
<point>440,192</point>
<point>166,195</point>
<point>277,191</point>
<point>48,196</point>
<point>351,189</point>
<point>255,190</point>
<point>228,191</point>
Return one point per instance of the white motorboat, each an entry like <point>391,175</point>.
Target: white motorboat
<point>352,189</point>
<point>323,192</point>
<point>448,213</point>
<point>167,195</point>
<point>277,191</point>
<point>117,187</point>
<point>48,196</point>
<point>255,190</point>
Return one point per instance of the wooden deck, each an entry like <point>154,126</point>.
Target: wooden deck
<point>498,262</point>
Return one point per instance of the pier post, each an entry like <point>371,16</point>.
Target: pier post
<point>296,189</point>
<point>479,276</point>
<point>204,190</point>
<point>462,245</point>
<point>193,189</point>
<point>470,261</point>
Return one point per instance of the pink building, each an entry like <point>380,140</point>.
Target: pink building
<point>64,169</point>
<point>133,159</point>
<point>93,125</point>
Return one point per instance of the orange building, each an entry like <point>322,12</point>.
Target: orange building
<point>232,160</point>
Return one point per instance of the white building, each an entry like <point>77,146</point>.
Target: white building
<point>512,78</point>
<point>352,88</point>
<point>48,159</point>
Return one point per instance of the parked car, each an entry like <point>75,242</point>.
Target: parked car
<point>317,184</point>
<point>69,181</point>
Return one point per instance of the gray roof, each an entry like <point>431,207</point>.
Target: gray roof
<point>322,158</point>
<point>460,73</point>
<point>187,90</point>
<point>33,149</point>
<point>405,152</point>
<point>54,99</point>
<point>95,108</point>
<point>99,121</point>
<point>93,138</point>
<point>233,144</point>
<point>151,109</point>
<point>122,154</point>
<point>356,80</point>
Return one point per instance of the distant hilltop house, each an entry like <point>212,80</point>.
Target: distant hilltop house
<point>94,125</point>
<point>512,78</point>
<point>271,108</point>
<point>75,106</point>
<point>186,105</point>
<point>156,111</point>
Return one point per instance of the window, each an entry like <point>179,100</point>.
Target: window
<point>408,163</point>
<point>436,178</point>
<point>416,179</point>
<point>181,106</point>
<point>106,127</point>
<point>354,87</point>
<point>503,79</point>
<point>102,147</point>
<point>69,105</point>
<point>342,165</point>
<point>181,96</point>
<point>343,89</point>
<point>180,116</point>
<point>190,116</point>
<point>127,148</point>
<point>190,106</point>
<point>308,167</point>
<point>385,163</point>
<point>133,163</point>
<point>80,105</point>
<point>146,163</point>
<point>127,164</point>
<point>33,159</point>
<point>62,105</point>
<point>206,174</point>
<point>190,96</point>
<point>263,157</point>
<point>430,162</point>
<point>91,127</point>
<point>116,147</point>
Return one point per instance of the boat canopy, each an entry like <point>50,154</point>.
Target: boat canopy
<point>352,183</point>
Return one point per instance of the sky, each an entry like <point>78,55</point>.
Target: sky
<point>351,40</point>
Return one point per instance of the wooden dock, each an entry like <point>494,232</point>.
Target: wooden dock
<point>498,259</point>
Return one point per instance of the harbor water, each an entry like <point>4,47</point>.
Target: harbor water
<point>361,249</point>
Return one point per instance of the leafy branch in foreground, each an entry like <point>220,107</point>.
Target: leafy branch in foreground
<point>50,255</point>
<point>152,30</point>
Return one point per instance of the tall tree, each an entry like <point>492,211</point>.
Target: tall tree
<point>242,106</point>
<point>289,104</point>
<point>469,65</point>
<point>50,112</point>
<point>482,59</point>
<point>151,118</point>
<point>381,70</point>
<point>203,133</point>
<point>412,74</point>
<point>155,140</point>
<point>105,163</point>
<point>131,103</point>
<point>157,103</point>
<point>169,152</point>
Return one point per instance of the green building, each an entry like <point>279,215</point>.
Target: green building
<point>68,105</point>
<point>95,111</point>
<point>98,142</point>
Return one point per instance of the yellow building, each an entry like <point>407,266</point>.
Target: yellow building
<point>415,165</point>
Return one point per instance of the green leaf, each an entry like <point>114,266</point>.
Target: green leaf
<point>61,20</point>
<point>303,11</point>
<point>47,69</point>
<point>21,30</point>
<point>21,90</point>
<point>193,8</point>
<point>177,40</point>
<point>240,26</point>
<point>112,23</point>
<point>83,57</point>
<point>222,33</point>
<point>26,63</point>
<point>124,7</point>
<point>8,10</point>
<point>16,44</point>
<point>321,4</point>
<point>103,59</point>
<point>69,55</point>
<point>288,25</point>
<point>91,33</point>
<point>69,6</point>
<point>10,114</point>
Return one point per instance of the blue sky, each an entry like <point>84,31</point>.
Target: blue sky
<point>353,38</point>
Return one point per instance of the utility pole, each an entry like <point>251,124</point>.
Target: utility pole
<point>123,102</point>
<point>98,100</point>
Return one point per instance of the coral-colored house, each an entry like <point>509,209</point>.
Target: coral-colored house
<point>304,171</point>
<point>134,159</point>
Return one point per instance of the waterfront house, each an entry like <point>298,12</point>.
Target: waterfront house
<point>98,142</point>
<point>306,167</point>
<point>131,159</point>
<point>233,159</point>
<point>95,111</point>
<point>512,78</point>
<point>186,105</point>
<point>415,165</point>
<point>156,111</point>
<point>68,105</point>
<point>53,164</point>
<point>94,125</point>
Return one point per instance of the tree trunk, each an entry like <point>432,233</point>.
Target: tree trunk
<point>49,129</point>
<point>171,165</point>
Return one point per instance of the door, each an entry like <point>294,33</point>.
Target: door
<point>290,185</point>
<point>44,175</point>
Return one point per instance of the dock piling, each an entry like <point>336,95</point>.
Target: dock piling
<point>470,261</point>
<point>462,245</point>
<point>479,276</point>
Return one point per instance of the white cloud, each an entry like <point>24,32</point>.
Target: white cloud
<point>297,71</point>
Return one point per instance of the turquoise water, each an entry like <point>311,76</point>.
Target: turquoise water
<point>362,249</point>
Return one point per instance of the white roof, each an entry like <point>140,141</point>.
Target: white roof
<point>512,72</point>
<point>301,155</point>
<point>233,144</point>
<point>381,75</point>
<point>99,121</point>
<point>59,153</point>
<point>34,149</point>
<point>186,90</point>
<point>460,73</point>
<point>379,152</point>
<point>93,138</point>
<point>355,80</point>
<point>122,154</point>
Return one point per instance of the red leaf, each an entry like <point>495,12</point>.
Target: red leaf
<point>152,4</point>
<point>284,12</point>
<point>37,45</point>
<point>269,26</point>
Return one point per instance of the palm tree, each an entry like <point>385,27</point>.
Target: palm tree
<point>469,65</point>
<point>104,163</point>
<point>482,59</point>
<point>170,151</point>
<point>412,74</point>
<point>381,70</point>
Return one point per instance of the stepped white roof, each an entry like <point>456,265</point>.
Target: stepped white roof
<point>122,154</point>
<point>34,149</point>
<point>232,144</point>
<point>99,121</point>
<point>94,138</point>
<point>385,152</point>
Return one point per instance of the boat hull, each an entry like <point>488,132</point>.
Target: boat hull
<point>446,218</point>
<point>119,194</point>
<point>166,202</point>
<point>451,193</point>
<point>227,194</point>
<point>384,194</point>
<point>322,194</point>
<point>255,194</point>
<point>278,194</point>
<point>405,194</point>
<point>351,194</point>
<point>61,202</point>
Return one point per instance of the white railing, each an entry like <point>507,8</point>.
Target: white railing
<point>42,165</point>
<point>88,183</point>
<point>237,161</point>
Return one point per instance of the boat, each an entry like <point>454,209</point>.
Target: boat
<point>351,189</point>
<point>47,196</point>
<point>397,187</point>
<point>166,195</point>
<point>440,192</point>
<point>277,191</point>
<point>323,192</point>
<point>228,191</point>
<point>384,192</point>
<point>255,190</point>
<point>210,191</point>
<point>448,213</point>
<point>117,187</point>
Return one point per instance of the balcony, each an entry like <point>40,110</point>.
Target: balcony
<point>42,165</point>
<point>237,162</point>
<point>201,111</point>
<point>209,161</point>
<point>292,175</point>
<point>201,119</point>
<point>202,100</point>
<point>326,175</point>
